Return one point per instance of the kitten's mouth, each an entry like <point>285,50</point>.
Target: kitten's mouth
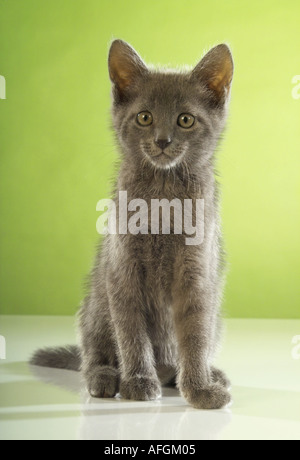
<point>162,154</point>
<point>164,159</point>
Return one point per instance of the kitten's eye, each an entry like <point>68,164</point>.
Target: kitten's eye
<point>185,120</point>
<point>145,119</point>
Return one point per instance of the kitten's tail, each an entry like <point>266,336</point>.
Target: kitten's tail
<point>68,358</point>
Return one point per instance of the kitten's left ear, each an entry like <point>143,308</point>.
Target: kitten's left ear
<point>125,66</point>
<point>215,72</point>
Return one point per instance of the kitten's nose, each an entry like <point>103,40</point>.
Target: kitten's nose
<point>163,143</point>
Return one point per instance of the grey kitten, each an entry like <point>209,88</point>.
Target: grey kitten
<point>152,313</point>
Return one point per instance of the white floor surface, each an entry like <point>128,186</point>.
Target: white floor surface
<point>258,356</point>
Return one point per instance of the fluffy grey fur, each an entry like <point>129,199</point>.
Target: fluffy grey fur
<point>152,313</point>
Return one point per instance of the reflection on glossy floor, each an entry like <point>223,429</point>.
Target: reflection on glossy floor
<point>258,355</point>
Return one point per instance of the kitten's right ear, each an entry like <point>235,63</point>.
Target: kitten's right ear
<point>125,66</point>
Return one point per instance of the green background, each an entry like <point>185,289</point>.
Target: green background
<point>57,153</point>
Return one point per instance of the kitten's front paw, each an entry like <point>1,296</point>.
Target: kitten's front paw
<point>140,388</point>
<point>213,396</point>
<point>103,382</point>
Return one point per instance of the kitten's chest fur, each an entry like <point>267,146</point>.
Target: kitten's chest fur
<point>158,255</point>
<point>147,183</point>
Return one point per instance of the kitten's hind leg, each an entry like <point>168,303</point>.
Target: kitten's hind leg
<point>220,377</point>
<point>99,354</point>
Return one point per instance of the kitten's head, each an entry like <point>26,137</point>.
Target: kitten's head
<point>164,117</point>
